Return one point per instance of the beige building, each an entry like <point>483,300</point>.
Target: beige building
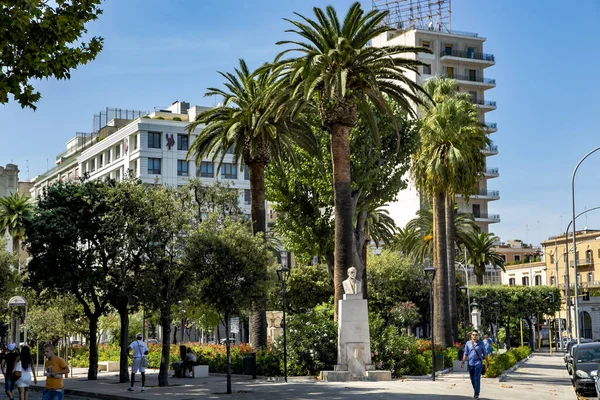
<point>529,274</point>
<point>458,55</point>
<point>517,252</point>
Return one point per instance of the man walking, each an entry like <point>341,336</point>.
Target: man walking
<point>475,355</point>
<point>8,364</point>
<point>54,368</point>
<point>140,350</point>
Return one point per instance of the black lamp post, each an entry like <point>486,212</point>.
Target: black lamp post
<point>464,290</point>
<point>430,276</point>
<point>283,274</point>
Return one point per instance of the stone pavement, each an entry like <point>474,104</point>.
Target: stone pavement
<point>543,376</point>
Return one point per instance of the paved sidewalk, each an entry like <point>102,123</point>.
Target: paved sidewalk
<point>541,377</point>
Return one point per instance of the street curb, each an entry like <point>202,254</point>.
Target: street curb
<point>504,375</point>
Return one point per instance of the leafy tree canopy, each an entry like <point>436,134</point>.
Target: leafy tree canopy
<point>36,41</point>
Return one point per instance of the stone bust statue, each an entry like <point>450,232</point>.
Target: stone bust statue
<point>352,285</point>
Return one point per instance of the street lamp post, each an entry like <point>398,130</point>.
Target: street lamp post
<point>430,276</point>
<point>575,241</point>
<point>283,274</point>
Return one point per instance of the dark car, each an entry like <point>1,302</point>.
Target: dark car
<point>585,360</point>
<point>569,351</point>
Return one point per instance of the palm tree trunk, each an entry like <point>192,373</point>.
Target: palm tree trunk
<point>344,240</point>
<point>442,328</point>
<point>258,319</point>
<point>481,271</point>
<point>451,248</point>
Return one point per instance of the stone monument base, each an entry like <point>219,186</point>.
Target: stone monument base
<point>345,376</point>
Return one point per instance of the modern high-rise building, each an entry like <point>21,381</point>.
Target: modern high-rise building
<point>457,55</point>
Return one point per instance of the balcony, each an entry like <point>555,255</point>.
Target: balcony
<point>478,81</point>
<point>485,105</point>
<point>584,262</point>
<point>491,127</point>
<point>485,195</point>
<point>485,217</point>
<point>469,56</point>
<point>491,150</point>
<point>491,173</point>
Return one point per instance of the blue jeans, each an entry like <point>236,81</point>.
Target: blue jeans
<point>53,394</point>
<point>475,374</point>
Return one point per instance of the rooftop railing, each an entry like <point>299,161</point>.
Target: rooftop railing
<point>468,54</point>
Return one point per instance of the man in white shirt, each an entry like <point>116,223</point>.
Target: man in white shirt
<point>140,350</point>
<point>190,361</point>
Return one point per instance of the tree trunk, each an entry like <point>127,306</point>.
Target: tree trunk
<point>124,353</point>
<point>365,249</point>
<point>532,342</point>
<point>175,335</point>
<point>344,232</point>
<point>480,276</point>
<point>228,348</point>
<point>258,319</point>
<point>246,337</point>
<point>165,321</point>
<point>451,249</point>
<point>442,322</point>
<point>93,359</point>
<point>507,329</point>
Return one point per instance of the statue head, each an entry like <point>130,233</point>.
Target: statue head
<point>352,272</point>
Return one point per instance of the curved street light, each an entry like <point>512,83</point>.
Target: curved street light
<point>575,240</point>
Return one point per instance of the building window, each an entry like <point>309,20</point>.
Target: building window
<point>538,280</point>
<point>588,257</point>
<point>183,142</point>
<point>100,161</point>
<point>247,197</point>
<point>154,140</point>
<point>427,69</point>
<point>517,257</point>
<point>503,257</point>
<point>590,277</point>
<point>473,75</point>
<point>182,168</point>
<point>246,173</point>
<point>448,49</point>
<point>93,165</point>
<point>476,210</point>
<point>108,157</point>
<point>511,282</point>
<point>118,152</point>
<point>551,259</point>
<point>525,281</point>
<point>426,44</point>
<point>154,166</point>
<point>473,96</point>
<point>206,170</point>
<point>470,52</point>
<point>228,171</point>
<point>552,281</point>
<point>76,173</point>
<point>450,72</point>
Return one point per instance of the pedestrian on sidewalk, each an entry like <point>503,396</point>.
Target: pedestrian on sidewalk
<point>475,355</point>
<point>487,342</point>
<point>140,350</point>
<point>24,363</point>
<point>8,364</point>
<point>55,367</point>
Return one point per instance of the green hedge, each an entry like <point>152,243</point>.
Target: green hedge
<point>498,363</point>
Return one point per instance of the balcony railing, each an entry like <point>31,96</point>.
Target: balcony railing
<point>492,149</point>
<point>491,125</point>
<point>487,103</point>
<point>489,193</point>
<point>469,78</point>
<point>492,171</point>
<point>584,261</point>
<point>493,217</point>
<point>468,54</point>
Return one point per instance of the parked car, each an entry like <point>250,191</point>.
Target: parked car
<point>152,341</point>
<point>569,350</point>
<point>585,360</point>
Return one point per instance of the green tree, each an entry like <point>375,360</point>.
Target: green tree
<point>36,41</point>
<point>480,252</point>
<point>307,287</point>
<point>229,265</point>
<point>449,161</point>
<point>248,124</point>
<point>346,76</point>
<point>64,238</point>
<point>14,210</point>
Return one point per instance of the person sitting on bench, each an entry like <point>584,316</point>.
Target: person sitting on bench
<point>189,361</point>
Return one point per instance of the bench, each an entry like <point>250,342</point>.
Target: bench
<point>200,371</point>
<point>109,366</point>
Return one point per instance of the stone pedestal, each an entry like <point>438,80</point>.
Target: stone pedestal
<point>354,344</point>
<point>476,318</point>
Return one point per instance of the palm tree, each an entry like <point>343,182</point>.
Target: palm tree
<point>254,127</point>
<point>346,76</point>
<point>480,250</point>
<point>449,161</point>
<point>14,210</point>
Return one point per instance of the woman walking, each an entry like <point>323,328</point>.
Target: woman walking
<point>24,363</point>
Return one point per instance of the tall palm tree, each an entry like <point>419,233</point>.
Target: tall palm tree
<point>449,161</point>
<point>480,250</point>
<point>14,210</point>
<point>255,128</point>
<point>338,68</point>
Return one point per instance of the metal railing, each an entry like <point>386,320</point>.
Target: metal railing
<point>489,103</point>
<point>469,78</point>
<point>468,54</point>
<point>493,217</point>
<point>492,171</point>
<point>583,261</point>
<point>493,149</point>
<point>452,32</point>
<point>491,125</point>
<point>489,193</point>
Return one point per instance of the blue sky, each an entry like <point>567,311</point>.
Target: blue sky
<point>157,52</point>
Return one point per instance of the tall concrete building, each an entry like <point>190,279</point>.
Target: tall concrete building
<point>9,178</point>
<point>457,55</point>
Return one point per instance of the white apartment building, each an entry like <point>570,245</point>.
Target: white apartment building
<point>9,178</point>
<point>458,55</point>
<point>154,148</point>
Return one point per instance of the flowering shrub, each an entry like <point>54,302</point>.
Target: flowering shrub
<point>405,314</point>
